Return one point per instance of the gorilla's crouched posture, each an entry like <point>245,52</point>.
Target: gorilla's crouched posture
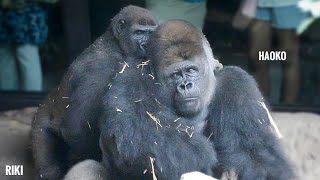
<point>228,106</point>
<point>138,126</point>
<point>160,118</point>
<point>65,129</point>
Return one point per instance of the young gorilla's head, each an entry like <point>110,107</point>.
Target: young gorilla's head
<point>132,27</point>
<point>185,66</point>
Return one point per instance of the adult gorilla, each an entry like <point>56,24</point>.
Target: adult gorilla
<point>228,106</point>
<point>65,129</point>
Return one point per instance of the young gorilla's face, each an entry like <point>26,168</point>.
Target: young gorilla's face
<point>133,30</point>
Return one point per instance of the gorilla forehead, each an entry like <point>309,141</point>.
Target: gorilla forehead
<point>175,41</point>
<point>135,15</point>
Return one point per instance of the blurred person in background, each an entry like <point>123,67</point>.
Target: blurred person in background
<point>23,26</point>
<point>282,16</point>
<point>193,11</point>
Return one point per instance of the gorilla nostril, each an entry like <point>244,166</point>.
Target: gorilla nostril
<point>188,85</point>
<point>182,86</point>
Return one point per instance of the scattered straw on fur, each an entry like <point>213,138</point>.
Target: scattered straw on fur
<point>210,136</point>
<point>109,85</point>
<point>144,63</point>
<point>118,110</point>
<point>151,76</point>
<point>89,124</point>
<point>273,124</point>
<point>124,67</point>
<point>157,101</point>
<point>177,119</point>
<point>154,118</point>
<point>154,177</point>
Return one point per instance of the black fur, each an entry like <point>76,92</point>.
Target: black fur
<point>130,136</point>
<point>237,124</point>
<point>241,130</point>
<point>65,129</point>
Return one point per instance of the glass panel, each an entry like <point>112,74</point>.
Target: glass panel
<point>285,63</point>
<point>31,47</point>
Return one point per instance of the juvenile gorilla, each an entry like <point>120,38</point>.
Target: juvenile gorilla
<point>65,129</point>
<point>227,105</point>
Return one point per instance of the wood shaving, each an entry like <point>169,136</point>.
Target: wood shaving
<point>124,67</point>
<point>157,101</point>
<point>118,110</point>
<point>154,177</point>
<point>109,85</point>
<point>154,118</point>
<point>151,76</point>
<point>210,136</point>
<point>177,119</point>
<point>273,124</point>
<point>143,64</point>
<point>89,124</point>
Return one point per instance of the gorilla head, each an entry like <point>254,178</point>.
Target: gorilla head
<point>184,65</point>
<point>132,27</point>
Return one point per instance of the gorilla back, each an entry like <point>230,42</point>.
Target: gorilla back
<point>65,129</point>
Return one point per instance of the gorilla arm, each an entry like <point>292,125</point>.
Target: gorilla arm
<point>241,131</point>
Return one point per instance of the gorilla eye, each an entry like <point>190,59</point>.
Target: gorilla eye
<point>175,75</point>
<point>139,32</point>
<point>191,70</point>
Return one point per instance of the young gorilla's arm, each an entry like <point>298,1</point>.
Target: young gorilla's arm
<point>243,136</point>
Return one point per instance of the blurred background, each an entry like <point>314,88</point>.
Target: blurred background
<point>40,38</point>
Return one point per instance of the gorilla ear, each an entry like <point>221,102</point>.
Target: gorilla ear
<point>118,27</point>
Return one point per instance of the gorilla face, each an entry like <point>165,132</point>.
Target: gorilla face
<point>184,64</point>
<point>139,35</point>
<point>191,84</point>
<point>133,29</point>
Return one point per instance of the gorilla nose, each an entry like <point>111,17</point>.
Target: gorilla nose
<point>185,86</point>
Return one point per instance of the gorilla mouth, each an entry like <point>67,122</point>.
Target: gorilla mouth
<point>188,106</point>
<point>187,102</point>
<point>192,101</point>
